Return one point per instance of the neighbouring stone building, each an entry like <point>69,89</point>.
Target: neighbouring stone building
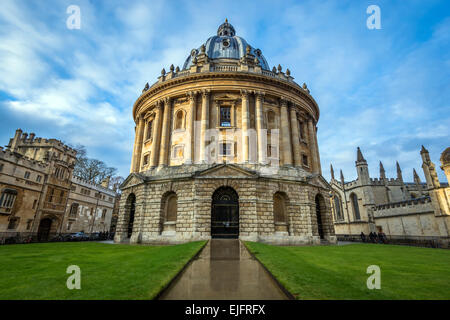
<point>38,193</point>
<point>225,147</point>
<point>408,212</point>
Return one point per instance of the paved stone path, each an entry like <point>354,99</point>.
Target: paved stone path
<point>224,270</point>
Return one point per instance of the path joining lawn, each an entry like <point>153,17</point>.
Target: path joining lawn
<point>38,271</point>
<point>339,272</point>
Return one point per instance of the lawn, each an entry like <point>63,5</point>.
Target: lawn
<point>339,272</point>
<point>38,271</point>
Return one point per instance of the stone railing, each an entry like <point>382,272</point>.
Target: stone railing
<point>224,68</point>
<point>413,206</point>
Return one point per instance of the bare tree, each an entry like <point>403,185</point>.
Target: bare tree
<point>92,170</point>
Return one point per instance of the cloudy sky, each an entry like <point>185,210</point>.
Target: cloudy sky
<point>387,90</point>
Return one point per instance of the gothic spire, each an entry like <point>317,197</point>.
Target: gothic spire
<point>342,178</point>
<point>359,156</point>
<point>332,171</point>
<point>382,172</point>
<point>416,177</point>
<point>399,172</point>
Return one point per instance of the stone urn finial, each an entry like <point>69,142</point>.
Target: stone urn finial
<point>288,72</point>
<point>177,69</point>
<point>247,49</point>
<point>274,70</point>
<point>279,68</point>
<point>203,48</point>
<point>172,68</point>
<point>163,71</point>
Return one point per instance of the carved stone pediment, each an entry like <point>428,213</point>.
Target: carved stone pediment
<point>320,182</point>
<point>227,171</point>
<point>132,180</point>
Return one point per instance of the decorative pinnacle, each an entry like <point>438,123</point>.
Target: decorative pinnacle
<point>359,156</point>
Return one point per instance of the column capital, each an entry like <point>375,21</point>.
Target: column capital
<point>259,95</point>
<point>167,100</point>
<point>244,94</point>
<point>159,103</point>
<point>205,93</point>
<point>192,95</point>
<point>283,102</point>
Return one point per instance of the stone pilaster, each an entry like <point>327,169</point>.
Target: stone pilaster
<point>245,124</point>
<point>189,153</point>
<point>164,149</point>
<point>312,146</point>
<point>319,167</point>
<point>285,134</point>
<point>204,124</point>
<point>259,128</point>
<point>138,144</point>
<point>295,137</point>
<point>156,135</point>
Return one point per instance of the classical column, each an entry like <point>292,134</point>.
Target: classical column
<point>204,124</point>
<point>190,118</point>
<point>163,151</point>
<point>312,146</point>
<point>319,167</point>
<point>138,144</point>
<point>245,123</point>
<point>156,135</point>
<point>285,134</point>
<point>295,137</point>
<point>259,128</point>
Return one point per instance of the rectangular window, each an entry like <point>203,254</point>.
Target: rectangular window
<point>50,194</point>
<point>300,130</point>
<point>61,197</point>
<point>305,160</point>
<point>69,225</point>
<point>103,213</point>
<point>27,175</point>
<point>38,178</point>
<point>225,116</point>
<point>1,167</point>
<point>7,199</point>
<point>13,223</point>
<point>29,223</point>
<point>34,204</point>
<point>149,130</point>
<point>225,149</point>
<point>146,160</point>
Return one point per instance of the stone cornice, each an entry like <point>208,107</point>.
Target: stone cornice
<point>192,78</point>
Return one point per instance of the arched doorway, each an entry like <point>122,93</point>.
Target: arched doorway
<point>44,229</point>
<point>131,206</point>
<point>225,213</point>
<point>320,207</point>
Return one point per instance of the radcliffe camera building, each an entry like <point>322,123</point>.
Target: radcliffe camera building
<point>40,197</point>
<point>225,148</point>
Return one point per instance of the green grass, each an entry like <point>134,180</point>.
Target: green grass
<point>38,271</point>
<point>339,272</point>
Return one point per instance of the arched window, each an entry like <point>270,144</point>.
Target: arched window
<point>171,207</point>
<point>73,210</point>
<point>320,210</point>
<point>338,208</point>
<point>354,200</point>
<point>279,208</point>
<point>130,208</point>
<point>179,120</point>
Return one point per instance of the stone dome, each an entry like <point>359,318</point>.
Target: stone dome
<point>445,157</point>
<point>226,45</point>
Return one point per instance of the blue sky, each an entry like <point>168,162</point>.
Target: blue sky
<point>387,91</point>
